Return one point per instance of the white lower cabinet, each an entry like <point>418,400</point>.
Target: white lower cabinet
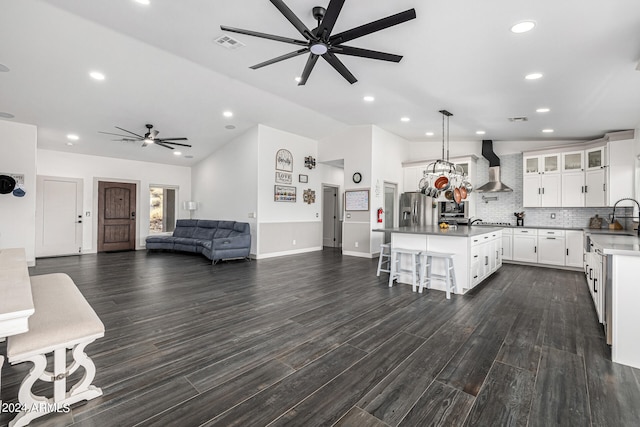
<point>574,242</point>
<point>507,237</point>
<point>485,256</point>
<point>551,247</point>
<point>525,242</point>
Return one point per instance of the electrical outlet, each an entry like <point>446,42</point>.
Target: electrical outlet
<point>356,244</point>
<point>87,213</point>
<point>553,216</point>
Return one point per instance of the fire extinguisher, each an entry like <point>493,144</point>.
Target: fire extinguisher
<point>380,211</point>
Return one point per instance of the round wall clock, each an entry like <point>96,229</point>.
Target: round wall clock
<point>357,177</point>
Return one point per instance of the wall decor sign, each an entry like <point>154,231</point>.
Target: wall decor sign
<point>303,178</point>
<point>309,196</point>
<point>284,177</point>
<point>284,193</point>
<point>356,200</point>
<point>284,160</point>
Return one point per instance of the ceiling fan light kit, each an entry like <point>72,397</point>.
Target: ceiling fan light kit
<point>151,137</point>
<point>320,43</point>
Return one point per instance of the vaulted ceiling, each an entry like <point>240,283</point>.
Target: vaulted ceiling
<point>163,67</point>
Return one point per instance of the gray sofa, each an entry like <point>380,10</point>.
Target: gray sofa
<point>216,240</point>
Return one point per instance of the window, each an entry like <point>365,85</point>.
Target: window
<point>162,209</point>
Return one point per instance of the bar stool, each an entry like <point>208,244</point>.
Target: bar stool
<point>394,274</point>
<point>426,276</point>
<point>384,261</point>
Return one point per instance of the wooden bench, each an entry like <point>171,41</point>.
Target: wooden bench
<point>63,320</point>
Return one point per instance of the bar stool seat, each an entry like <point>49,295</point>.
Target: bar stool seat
<point>384,261</point>
<point>426,276</point>
<point>396,270</point>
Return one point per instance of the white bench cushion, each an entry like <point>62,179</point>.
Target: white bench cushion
<point>62,317</point>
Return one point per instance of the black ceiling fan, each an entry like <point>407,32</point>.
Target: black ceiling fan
<point>149,138</point>
<point>320,42</point>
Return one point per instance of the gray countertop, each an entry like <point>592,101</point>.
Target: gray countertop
<point>611,244</point>
<point>435,230</point>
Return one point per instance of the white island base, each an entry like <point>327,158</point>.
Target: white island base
<point>477,254</point>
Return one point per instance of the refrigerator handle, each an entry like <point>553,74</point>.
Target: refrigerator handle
<point>415,212</point>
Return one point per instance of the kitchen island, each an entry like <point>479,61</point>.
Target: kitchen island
<point>478,251</point>
<point>618,273</point>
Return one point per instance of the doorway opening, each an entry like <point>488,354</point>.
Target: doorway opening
<point>331,236</point>
<point>390,197</point>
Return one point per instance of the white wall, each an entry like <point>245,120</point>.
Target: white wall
<point>92,169</point>
<point>225,184</point>
<point>17,214</point>
<point>388,153</point>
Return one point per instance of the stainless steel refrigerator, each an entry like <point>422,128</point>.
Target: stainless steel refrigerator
<point>417,209</point>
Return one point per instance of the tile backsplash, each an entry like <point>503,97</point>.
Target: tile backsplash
<point>501,206</point>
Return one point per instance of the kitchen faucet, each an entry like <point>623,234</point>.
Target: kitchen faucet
<point>613,215</point>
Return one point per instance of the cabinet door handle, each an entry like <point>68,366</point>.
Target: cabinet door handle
<point>567,252</point>
<point>502,251</point>
<point>542,190</point>
<point>582,189</point>
<point>591,274</point>
<point>538,190</point>
<point>551,238</point>
<point>486,260</point>
<point>586,188</point>
<point>594,285</point>
<point>535,249</point>
<point>604,187</point>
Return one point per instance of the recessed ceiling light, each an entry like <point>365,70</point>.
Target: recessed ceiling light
<point>4,68</point>
<point>97,75</point>
<point>6,115</point>
<point>543,110</point>
<point>533,76</point>
<point>69,144</point>
<point>405,119</point>
<point>523,27</point>
<point>73,137</point>
<point>228,114</point>
<point>429,133</point>
<point>145,2</point>
<point>547,130</point>
<point>480,132</point>
<point>369,98</point>
<point>177,153</point>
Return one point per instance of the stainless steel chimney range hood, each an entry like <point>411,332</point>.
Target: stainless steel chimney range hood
<point>495,185</point>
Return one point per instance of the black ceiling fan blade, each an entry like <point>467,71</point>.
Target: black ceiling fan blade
<point>291,17</point>
<point>329,20</point>
<point>311,62</point>
<point>280,58</point>
<point>365,53</point>
<point>339,67</point>
<point>163,145</point>
<point>116,134</point>
<point>128,131</point>
<point>264,35</point>
<point>163,141</point>
<point>171,139</point>
<point>374,26</point>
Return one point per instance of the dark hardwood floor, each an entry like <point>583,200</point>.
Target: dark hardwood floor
<point>318,339</point>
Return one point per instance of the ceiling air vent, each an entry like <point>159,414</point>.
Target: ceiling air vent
<point>518,119</point>
<point>228,42</point>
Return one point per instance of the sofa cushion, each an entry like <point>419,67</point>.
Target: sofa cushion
<point>184,241</point>
<point>226,224</point>
<point>185,227</point>
<point>203,233</point>
<point>222,232</point>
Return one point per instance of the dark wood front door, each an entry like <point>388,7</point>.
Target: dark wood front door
<point>116,216</point>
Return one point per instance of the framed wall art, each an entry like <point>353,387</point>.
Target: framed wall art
<point>303,178</point>
<point>284,193</point>
<point>284,160</point>
<point>284,177</point>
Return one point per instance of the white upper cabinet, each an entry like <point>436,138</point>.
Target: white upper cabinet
<point>573,191</point>
<point>573,161</point>
<point>620,171</point>
<point>595,158</point>
<point>541,181</point>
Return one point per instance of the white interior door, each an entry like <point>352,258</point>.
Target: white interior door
<point>58,216</point>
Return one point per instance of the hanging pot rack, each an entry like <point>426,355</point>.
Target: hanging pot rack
<point>443,165</point>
